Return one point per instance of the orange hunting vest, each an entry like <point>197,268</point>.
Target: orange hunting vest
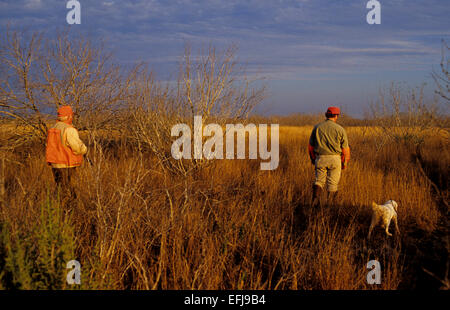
<point>57,152</point>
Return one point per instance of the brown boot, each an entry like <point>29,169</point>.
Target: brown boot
<point>331,198</point>
<point>317,190</point>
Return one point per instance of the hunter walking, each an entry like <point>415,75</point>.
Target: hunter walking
<point>65,150</point>
<point>329,151</point>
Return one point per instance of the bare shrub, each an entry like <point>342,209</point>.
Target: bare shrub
<point>404,115</point>
<point>211,86</point>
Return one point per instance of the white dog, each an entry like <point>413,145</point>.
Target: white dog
<point>384,214</point>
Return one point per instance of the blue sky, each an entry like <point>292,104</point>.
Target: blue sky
<point>311,53</point>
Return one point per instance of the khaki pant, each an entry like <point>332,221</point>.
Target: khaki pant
<point>328,170</point>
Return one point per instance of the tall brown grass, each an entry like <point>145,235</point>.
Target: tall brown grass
<point>229,225</point>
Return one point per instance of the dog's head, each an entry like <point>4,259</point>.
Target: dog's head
<point>393,203</point>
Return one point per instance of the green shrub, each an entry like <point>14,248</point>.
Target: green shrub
<point>38,260</point>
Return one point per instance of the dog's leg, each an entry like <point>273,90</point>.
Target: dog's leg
<point>372,225</point>
<point>387,222</point>
<point>396,224</point>
<point>388,233</point>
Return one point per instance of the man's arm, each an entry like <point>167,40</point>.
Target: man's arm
<point>74,142</point>
<point>345,157</point>
<point>312,156</point>
<point>345,150</point>
<point>311,145</point>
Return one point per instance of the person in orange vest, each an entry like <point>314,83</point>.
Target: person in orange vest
<point>64,150</point>
<point>330,153</point>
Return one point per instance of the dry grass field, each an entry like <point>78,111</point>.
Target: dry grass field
<point>228,225</point>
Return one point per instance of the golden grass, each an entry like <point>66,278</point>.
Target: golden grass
<point>231,225</point>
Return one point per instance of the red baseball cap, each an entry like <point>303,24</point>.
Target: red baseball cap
<point>65,111</point>
<point>334,110</point>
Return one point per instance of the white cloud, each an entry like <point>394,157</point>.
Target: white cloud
<point>33,4</point>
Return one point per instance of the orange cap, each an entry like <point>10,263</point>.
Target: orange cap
<point>65,111</point>
<point>334,110</point>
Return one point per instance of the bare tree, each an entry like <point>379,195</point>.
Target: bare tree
<point>211,85</point>
<point>19,82</point>
<point>215,86</point>
<point>442,78</point>
<point>40,75</point>
<point>82,75</point>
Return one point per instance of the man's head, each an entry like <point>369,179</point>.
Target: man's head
<point>332,113</point>
<point>65,114</point>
